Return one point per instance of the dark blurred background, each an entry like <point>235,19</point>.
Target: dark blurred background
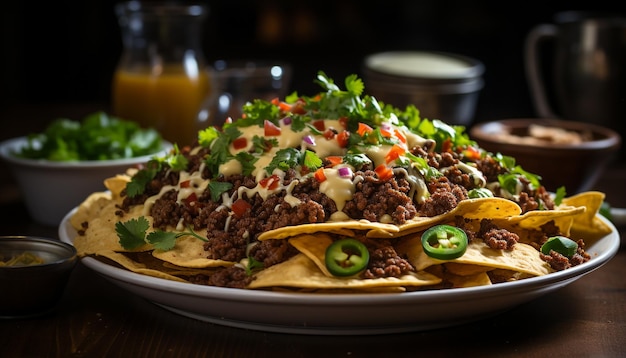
<point>66,51</point>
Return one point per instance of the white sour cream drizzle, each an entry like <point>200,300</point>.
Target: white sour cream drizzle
<point>338,188</point>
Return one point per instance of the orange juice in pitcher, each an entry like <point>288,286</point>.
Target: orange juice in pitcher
<point>161,80</point>
<point>169,102</point>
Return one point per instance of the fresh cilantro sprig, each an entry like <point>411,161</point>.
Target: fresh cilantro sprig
<point>132,235</point>
<point>291,158</point>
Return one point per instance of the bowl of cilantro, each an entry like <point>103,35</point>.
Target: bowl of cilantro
<point>58,168</point>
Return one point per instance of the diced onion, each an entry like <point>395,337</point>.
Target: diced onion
<point>308,140</point>
<point>345,172</point>
<point>287,120</point>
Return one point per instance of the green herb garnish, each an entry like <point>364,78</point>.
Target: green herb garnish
<point>132,235</point>
<point>97,137</point>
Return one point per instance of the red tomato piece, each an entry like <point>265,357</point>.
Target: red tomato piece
<point>319,125</point>
<point>240,207</point>
<point>400,136</point>
<point>334,160</point>
<point>394,153</point>
<point>192,198</point>
<point>329,134</point>
<point>383,172</point>
<point>344,122</point>
<point>185,184</point>
<point>363,128</point>
<point>343,138</point>
<point>271,130</point>
<point>240,143</point>
<point>319,175</point>
<point>272,182</point>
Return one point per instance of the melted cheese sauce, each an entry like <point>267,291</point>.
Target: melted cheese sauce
<point>338,188</point>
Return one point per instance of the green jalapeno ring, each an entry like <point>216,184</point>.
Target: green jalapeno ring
<point>444,242</point>
<point>346,257</point>
<point>561,244</point>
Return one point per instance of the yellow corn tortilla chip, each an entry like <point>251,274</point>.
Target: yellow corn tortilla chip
<point>300,271</point>
<point>189,252</point>
<point>137,267</point>
<point>523,257</point>
<point>314,247</point>
<point>477,279</point>
<point>588,225</point>
<point>101,234</point>
<point>339,227</point>
<point>470,209</point>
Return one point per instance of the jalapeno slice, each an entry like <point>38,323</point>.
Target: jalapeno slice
<point>444,242</point>
<point>346,257</point>
<point>561,244</point>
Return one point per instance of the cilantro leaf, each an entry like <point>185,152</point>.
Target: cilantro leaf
<point>177,161</point>
<point>132,233</point>
<point>138,182</point>
<point>207,136</point>
<point>311,160</point>
<point>284,159</point>
<point>247,161</point>
<point>162,240</point>
<point>217,188</point>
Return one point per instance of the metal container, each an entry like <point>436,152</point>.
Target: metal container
<point>441,85</point>
<point>35,287</point>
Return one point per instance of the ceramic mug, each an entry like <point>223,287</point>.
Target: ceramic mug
<point>587,52</point>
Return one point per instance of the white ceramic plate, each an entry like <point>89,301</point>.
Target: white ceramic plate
<point>342,314</point>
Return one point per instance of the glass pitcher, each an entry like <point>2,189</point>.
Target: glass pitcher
<point>161,79</point>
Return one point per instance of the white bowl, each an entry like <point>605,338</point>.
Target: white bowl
<point>50,189</point>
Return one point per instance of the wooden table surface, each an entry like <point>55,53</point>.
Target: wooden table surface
<point>95,318</point>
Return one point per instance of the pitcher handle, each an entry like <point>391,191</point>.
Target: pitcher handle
<point>535,37</point>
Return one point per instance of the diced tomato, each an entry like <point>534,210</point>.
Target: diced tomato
<point>275,101</point>
<point>363,128</point>
<point>400,136</point>
<point>240,143</point>
<point>329,134</point>
<point>334,160</point>
<point>394,153</point>
<point>240,207</point>
<point>271,130</point>
<point>319,175</point>
<point>270,182</point>
<point>298,107</point>
<point>446,146</point>
<point>344,122</point>
<point>472,153</point>
<point>383,172</point>
<point>343,138</point>
<point>185,184</point>
<point>192,198</point>
<point>385,133</point>
<point>284,106</point>
<point>319,125</point>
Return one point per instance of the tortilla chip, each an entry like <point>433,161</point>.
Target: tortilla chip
<point>474,280</point>
<point>470,209</point>
<point>137,267</point>
<point>314,247</point>
<point>300,271</point>
<point>588,225</point>
<point>117,184</point>
<point>101,235</point>
<point>189,252</point>
<point>340,227</point>
<point>523,257</point>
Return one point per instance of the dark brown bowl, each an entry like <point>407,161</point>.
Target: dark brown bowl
<point>30,290</point>
<point>575,166</point>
